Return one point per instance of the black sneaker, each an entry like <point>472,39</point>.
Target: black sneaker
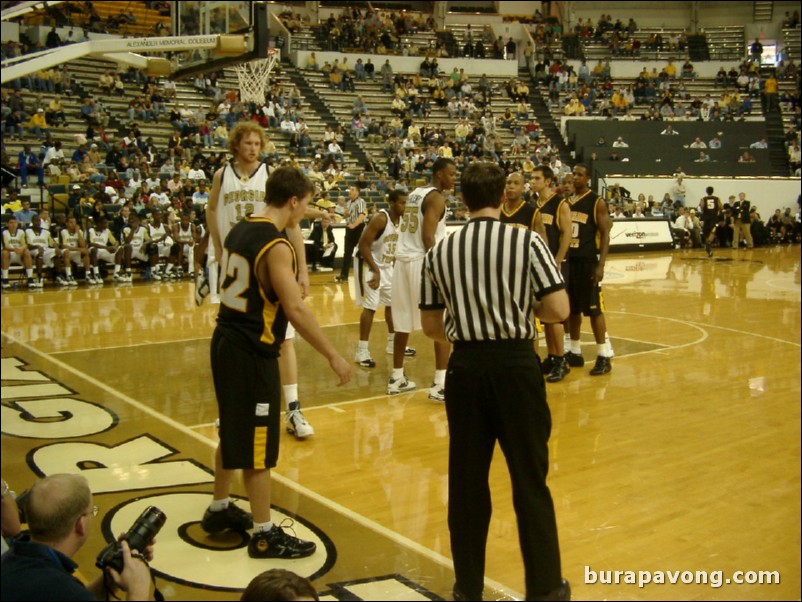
<point>603,366</point>
<point>559,371</point>
<point>278,544</point>
<point>708,249</point>
<point>574,360</point>
<point>547,365</point>
<point>233,518</point>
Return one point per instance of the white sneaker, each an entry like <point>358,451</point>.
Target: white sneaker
<point>117,277</point>
<point>437,393</point>
<point>61,281</point>
<point>363,359</point>
<point>128,278</point>
<point>71,281</point>
<point>325,269</point>
<point>90,279</point>
<point>297,425</point>
<point>399,385</point>
<point>201,288</point>
<point>408,352</point>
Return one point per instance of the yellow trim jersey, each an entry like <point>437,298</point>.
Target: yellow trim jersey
<point>249,316</point>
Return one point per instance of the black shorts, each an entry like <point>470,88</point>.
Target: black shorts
<point>583,295</point>
<point>248,389</point>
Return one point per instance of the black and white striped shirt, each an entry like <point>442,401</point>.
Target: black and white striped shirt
<point>488,276</point>
<point>354,209</point>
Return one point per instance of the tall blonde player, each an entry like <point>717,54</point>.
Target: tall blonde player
<point>238,189</point>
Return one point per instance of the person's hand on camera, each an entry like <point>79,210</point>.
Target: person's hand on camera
<point>135,579</point>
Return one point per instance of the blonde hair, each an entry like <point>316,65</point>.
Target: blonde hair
<point>242,129</point>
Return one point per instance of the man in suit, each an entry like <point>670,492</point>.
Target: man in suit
<point>323,249</point>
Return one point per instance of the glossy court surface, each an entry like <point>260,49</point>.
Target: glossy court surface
<point>685,458</point>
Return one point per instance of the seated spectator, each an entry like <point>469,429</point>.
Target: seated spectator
<point>746,158</point>
<point>688,71</point>
<point>38,125</point>
<point>697,143</point>
<point>619,143</point>
<point>702,158</point>
<point>759,144</point>
<point>715,143</point>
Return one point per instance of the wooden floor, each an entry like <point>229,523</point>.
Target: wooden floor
<point>683,463</point>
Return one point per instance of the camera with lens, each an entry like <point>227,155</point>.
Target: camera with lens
<point>141,533</point>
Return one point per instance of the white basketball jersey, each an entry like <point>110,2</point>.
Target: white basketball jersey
<point>383,248</point>
<point>69,239</point>
<point>184,236</point>
<point>410,230</point>
<point>99,238</point>
<point>42,239</point>
<point>139,237</point>
<point>239,198</point>
<point>14,240</point>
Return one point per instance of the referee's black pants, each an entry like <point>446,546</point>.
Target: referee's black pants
<point>495,391</point>
<point>351,241</point>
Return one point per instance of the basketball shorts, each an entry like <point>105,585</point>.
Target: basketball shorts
<point>47,256</point>
<point>584,297</point>
<point>248,390</point>
<point>164,248</point>
<point>106,255</point>
<point>406,295</point>
<point>368,297</point>
<point>15,258</point>
<point>139,253</point>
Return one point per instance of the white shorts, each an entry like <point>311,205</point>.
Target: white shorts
<point>139,253</point>
<point>15,258</point>
<point>290,332</point>
<point>76,258</point>
<point>106,255</point>
<point>164,248</point>
<point>47,256</point>
<point>368,297</point>
<point>406,295</point>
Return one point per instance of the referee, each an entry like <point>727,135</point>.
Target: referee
<point>490,277</point>
<point>355,214</point>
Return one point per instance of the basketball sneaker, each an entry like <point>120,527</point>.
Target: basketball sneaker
<point>61,281</point>
<point>232,518</point>
<point>363,359</point>
<point>408,351</point>
<point>603,366</point>
<point>547,365</point>
<point>201,288</point>
<point>437,392</point>
<point>399,385</point>
<point>275,543</point>
<point>297,425</point>
<point>575,360</point>
<point>559,370</point>
<point>71,281</point>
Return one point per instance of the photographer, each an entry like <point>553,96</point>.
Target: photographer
<point>61,515</point>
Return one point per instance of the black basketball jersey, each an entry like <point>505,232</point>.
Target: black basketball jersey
<point>550,214</point>
<point>523,216</point>
<point>584,229</point>
<point>710,206</point>
<point>250,316</point>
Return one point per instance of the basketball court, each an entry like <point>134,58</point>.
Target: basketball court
<point>685,459</point>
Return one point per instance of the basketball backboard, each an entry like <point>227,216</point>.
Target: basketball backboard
<point>216,17</point>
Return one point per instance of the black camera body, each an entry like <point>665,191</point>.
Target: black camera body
<point>141,533</point>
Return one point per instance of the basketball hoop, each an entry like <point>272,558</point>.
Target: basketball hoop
<point>253,77</point>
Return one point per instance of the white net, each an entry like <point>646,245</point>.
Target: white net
<point>253,77</point>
